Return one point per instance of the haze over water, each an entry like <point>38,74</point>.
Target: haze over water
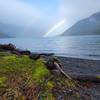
<point>70,46</point>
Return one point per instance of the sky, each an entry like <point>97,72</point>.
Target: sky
<point>43,15</point>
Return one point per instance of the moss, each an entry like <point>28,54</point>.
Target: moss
<point>2,54</point>
<point>14,64</point>
<point>98,77</point>
<point>3,81</point>
<point>23,65</point>
<point>50,85</point>
<point>29,75</point>
<point>40,70</point>
<point>47,96</point>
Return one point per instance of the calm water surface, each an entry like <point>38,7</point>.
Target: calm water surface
<point>69,46</point>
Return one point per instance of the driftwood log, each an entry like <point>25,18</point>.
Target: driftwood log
<point>54,63</point>
<point>62,72</point>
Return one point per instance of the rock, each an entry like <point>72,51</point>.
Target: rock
<point>34,56</point>
<point>15,52</point>
<point>47,54</point>
<point>56,73</point>
<point>25,52</point>
<point>50,63</point>
<point>8,47</point>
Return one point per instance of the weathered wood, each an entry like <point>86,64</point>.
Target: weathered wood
<point>62,72</point>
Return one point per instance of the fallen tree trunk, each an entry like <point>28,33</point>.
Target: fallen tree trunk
<point>62,72</point>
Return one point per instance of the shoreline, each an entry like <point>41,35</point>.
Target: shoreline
<point>81,68</point>
<point>77,68</point>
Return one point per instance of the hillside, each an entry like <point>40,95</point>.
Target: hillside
<point>87,26</point>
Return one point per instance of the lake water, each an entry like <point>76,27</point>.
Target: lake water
<point>70,46</point>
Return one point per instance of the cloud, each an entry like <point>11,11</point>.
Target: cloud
<point>17,12</point>
<point>30,14</point>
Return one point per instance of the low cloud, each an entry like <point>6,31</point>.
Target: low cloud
<point>17,12</point>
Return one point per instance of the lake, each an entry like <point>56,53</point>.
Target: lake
<point>68,46</point>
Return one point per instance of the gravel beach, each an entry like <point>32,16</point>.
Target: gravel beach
<point>80,66</point>
<point>85,68</point>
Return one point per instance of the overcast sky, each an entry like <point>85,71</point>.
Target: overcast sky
<point>44,14</point>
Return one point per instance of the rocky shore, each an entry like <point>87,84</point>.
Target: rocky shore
<point>86,73</point>
<point>81,69</point>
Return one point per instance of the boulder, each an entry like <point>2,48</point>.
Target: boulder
<point>10,47</point>
<point>50,63</point>
<point>34,56</point>
<point>24,52</point>
<point>15,52</point>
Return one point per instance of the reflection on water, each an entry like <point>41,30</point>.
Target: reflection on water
<point>70,46</point>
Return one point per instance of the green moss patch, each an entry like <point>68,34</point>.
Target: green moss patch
<point>25,78</point>
<point>3,81</point>
<point>40,70</point>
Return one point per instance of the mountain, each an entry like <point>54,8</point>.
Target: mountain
<point>87,26</point>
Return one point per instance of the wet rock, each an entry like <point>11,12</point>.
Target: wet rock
<point>25,52</point>
<point>36,56</point>
<point>47,54</point>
